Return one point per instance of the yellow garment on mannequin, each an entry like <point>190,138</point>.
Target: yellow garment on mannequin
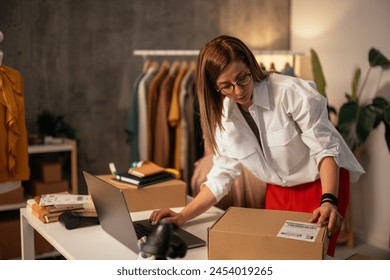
<point>13,144</point>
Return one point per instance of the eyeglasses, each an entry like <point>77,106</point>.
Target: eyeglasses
<point>243,81</point>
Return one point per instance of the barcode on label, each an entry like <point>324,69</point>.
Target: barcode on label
<point>299,230</point>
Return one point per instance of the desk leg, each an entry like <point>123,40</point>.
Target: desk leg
<point>27,239</point>
<point>73,155</point>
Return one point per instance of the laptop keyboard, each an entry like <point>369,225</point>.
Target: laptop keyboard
<point>141,230</point>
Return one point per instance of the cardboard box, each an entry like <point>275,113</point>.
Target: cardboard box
<point>252,234</point>
<point>39,187</point>
<point>10,241</point>
<point>14,196</point>
<point>51,172</point>
<point>169,194</point>
<point>47,167</point>
<point>10,247</point>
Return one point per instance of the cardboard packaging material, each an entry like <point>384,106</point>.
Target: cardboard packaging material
<point>170,193</point>
<point>14,196</point>
<point>51,172</point>
<point>252,234</point>
<point>10,243</point>
<point>38,187</point>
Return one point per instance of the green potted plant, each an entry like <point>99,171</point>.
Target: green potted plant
<point>50,124</point>
<point>358,117</point>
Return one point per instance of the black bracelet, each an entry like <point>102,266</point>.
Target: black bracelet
<point>328,197</point>
<point>330,201</point>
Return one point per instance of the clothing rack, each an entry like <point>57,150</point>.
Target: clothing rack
<point>148,53</point>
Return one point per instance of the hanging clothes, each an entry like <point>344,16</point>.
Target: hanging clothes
<point>174,114</point>
<point>168,127</point>
<point>164,142</point>
<point>187,114</point>
<point>152,99</point>
<point>132,121</point>
<point>288,70</point>
<point>13,134</point>
<point>143,111</point>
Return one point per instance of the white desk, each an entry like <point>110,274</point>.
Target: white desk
<point>93,243</point>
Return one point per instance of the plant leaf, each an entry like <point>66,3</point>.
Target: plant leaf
<point>386,115</point>
<point>349,98</point>
<point>376,58</point>
<point>332,109</point>
<point>387,135</point>
<point>365,122</point>
<point>347,124</point>
<point>382,109</point>
<point>355,83</point>
<point>318,74</point>
<point>380,102</point>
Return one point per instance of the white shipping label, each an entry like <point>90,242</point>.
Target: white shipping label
<point>63,199</point>
<point>299,230</point>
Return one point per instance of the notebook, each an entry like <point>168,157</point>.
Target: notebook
<point>147,169</point>
<point>115,219</point>
<point>145,181</point>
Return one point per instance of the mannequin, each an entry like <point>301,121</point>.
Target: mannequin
<point>10,185</point>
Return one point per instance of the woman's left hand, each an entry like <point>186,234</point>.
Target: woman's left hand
<point>327,214</point>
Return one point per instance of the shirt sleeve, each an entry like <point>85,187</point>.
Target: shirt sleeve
<point>223,173</point>
<point>308,109</point>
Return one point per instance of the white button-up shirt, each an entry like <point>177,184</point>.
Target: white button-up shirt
<point>295,134</point>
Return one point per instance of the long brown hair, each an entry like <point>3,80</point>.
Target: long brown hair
<point>213,58</point>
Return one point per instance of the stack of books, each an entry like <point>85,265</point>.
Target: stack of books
<point>147,174</point>
<point>48,212</point>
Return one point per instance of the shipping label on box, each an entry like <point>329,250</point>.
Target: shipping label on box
<point>299,230</point>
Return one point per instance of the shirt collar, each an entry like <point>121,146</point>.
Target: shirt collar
<point>260,98</point>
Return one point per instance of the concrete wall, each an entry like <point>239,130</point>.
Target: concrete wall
<point>76,59</point>
<point>342,41</point>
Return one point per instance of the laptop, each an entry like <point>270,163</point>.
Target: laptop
<point>115,219</point>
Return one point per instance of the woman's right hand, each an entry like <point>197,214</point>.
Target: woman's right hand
<point>168,215</point>
<point>203,201</point>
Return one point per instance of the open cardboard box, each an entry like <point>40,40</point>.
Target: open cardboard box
<point>252,234</point>
<point>168,194</point>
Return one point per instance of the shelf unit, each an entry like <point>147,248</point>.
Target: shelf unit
<point>69,145</point>
<point>13,206</point>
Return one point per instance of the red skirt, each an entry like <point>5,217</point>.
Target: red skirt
<point>306,198</point>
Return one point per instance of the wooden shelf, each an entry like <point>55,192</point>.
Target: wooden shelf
<point>49,148</point>
<point>13,206</point>
<point>68,145</point>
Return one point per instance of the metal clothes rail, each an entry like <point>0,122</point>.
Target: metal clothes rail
<point>146,53</point>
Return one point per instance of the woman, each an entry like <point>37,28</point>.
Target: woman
<point>276,126</point>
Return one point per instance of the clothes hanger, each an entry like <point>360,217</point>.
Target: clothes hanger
<point>146,65</point>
